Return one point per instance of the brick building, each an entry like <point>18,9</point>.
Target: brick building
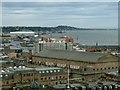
<point>22,75</point>
<point>89,66</point>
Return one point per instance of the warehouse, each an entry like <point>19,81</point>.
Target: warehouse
<point>87,65</point>
<point>22,33</point>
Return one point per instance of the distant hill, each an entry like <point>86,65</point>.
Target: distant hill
<point>37,29</point>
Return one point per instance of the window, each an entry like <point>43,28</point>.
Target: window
<point>1,75</point>
<point>51,71</point>
<point>6,75</point>
<point>47,71</point>
<point>49,77</point>
<point>7,82</point>
<point>28,80</point>
<point>12,76</point>
<point>60,77</point>
<point>83,79</point>
<point>84,69</point>
<point>45,78</point>
<point>54,70</point>
<point>41,78</point>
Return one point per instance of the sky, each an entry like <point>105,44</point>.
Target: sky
<point>50,14</point>
<point>60,0</point>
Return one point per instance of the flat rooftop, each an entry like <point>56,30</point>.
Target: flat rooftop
<point>47,68</point>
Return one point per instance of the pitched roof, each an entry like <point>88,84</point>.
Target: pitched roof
<point>71,55</point>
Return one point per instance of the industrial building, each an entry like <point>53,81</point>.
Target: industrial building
<point>22,33</point>
<point>88,66</point>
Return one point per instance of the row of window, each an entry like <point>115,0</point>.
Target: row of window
<point>28,74</point>
<point>106,68</point>
<point>50,71</point>
<point>6,76</point>
<point>55,83</point>
<point>85,69</point>
<point>7,82</point>
<point>52,78</point>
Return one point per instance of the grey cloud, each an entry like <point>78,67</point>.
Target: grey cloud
<point>32,12</point>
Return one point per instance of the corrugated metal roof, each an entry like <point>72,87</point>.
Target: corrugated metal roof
<point>71,55</point>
